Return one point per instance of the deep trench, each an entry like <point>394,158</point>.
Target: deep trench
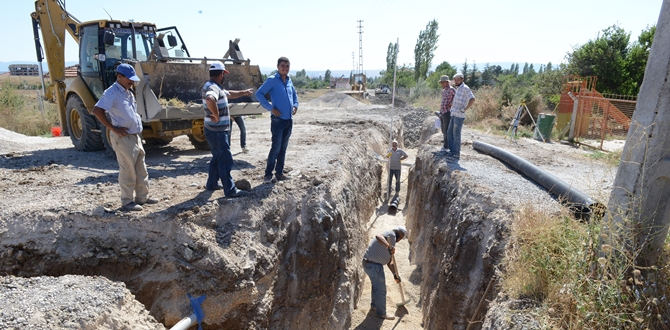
<point>285,263</point>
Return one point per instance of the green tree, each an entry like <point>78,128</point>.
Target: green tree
<point>604,57</point>
<point>326,76</point>
<point>443,68</point>
<point>525,68</point>
<point>424,50</point>
<point>464,71</point>
<point>637,59</point>
<point>487,75</point>
<point>548,68</point>
<point>473,76</point>
<point>391,56</point>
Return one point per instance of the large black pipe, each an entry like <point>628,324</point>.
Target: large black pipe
<point>577,201</point>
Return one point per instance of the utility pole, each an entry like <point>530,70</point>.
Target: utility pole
<point>638,210</point>
<point>353,63</point>
<point>360,46</point>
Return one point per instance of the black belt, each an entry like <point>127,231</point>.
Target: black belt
<point>372,262</point>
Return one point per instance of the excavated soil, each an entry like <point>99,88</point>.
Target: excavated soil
<point>285,257</point>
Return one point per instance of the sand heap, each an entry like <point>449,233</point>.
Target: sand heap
<point>335,100</point>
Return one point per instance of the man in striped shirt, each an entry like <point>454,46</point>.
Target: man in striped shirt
<point>217,130</point>
<point>463,100</point>
<point>448,93</point>
<point>378,254</point>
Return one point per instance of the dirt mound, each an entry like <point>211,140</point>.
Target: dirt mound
<point>70,302</point>
<point>334,100</point>
<point>385,99</point>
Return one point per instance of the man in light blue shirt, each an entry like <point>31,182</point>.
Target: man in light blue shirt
<point>283,107</point>
<point>125,127</point>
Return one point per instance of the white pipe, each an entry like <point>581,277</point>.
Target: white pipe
<point>185,323</point>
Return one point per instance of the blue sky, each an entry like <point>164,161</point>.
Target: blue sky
<point>319,35</point>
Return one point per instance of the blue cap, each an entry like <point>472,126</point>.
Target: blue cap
<point>128,71</point>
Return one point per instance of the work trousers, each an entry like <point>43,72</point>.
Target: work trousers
<point>376,274</point>
<point>444,126</point>
<point>396,174</point>
<point>221,163</point>
<point>454,135</point>
<point>239,120</point>
<point>133,175</point>
<point>281,131</point>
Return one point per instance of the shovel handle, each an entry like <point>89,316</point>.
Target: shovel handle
<point>402,293</point>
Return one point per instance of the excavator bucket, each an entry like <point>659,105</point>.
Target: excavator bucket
<point>172,90</point>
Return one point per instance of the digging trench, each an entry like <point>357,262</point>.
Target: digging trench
<point>291,262</point>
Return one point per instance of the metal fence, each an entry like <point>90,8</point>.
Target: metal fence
<point>604,116</point>
<point>591,115</point>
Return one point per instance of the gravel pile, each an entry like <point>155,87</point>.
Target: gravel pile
<point>385,99</point>
<point>70,302</point>
<point>412,124</point>
<point>334,100</point>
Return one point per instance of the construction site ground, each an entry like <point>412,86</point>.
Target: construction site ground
<point>46,176</point>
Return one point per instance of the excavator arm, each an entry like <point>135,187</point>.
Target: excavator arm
<point>53,20</point>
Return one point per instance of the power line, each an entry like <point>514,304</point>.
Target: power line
<point>360,46</point>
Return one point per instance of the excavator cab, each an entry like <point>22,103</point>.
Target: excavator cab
<point>104,45</point>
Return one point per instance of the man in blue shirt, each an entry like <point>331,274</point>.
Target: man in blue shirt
<point>283,107</point>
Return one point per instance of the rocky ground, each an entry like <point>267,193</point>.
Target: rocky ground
<point>57,202</point>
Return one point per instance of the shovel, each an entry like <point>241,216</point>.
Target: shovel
<point>402,293</point>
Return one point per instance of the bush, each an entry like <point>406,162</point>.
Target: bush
<point>21,112</point>
<point>487,105</point>
<point>581,282</point>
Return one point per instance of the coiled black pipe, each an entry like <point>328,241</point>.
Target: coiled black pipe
<point>581,204</point>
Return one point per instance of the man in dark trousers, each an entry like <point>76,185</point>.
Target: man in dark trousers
<point>448,93</point>
<point>395,156</point>
<point>376,256</point>
<point>283,107</point>
<point>217,130</point>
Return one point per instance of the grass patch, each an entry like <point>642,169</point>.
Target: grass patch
<point>612,158</point>
<point>21,113</point>
<point>581,283</point>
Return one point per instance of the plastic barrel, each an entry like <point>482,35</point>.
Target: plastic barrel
<point>545,123</point>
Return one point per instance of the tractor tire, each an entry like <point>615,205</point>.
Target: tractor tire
<point>79,125</point>
<point>109,150</point>
<point>158,141</point>
<point>199,141</point>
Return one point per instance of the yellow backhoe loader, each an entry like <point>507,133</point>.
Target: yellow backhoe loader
<point>169,91</point>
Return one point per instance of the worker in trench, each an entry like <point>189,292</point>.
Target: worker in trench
<point>378,254</point>
<point>395,156</point>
